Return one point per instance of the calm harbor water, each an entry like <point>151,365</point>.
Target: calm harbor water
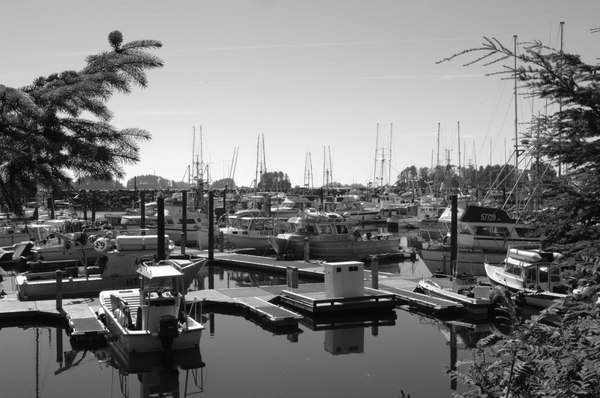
<point>400,354</point>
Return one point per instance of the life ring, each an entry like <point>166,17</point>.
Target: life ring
<point>101,245</point>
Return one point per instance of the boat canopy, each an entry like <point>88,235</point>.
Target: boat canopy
<point>478,214</point>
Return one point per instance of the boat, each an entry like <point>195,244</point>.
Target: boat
<point>252,232</point>
<point>483,232</point>
<point>173,212</point>
<point>531,275</point>
<point>330,239</point>
<point>349,207</point>
<point>115,268</point>
<point>48,241</point>
<point>289,207</point>
<point>466,290</point>
<point>152,317</point>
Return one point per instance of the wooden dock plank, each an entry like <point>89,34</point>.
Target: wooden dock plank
<point>272,311</point>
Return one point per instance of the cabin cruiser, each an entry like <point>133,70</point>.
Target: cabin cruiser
<point>483,232</point>
<point>251,232</point>
<point>531,274</point>
<point>323,237</point>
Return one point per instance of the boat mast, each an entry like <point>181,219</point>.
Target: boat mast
<point>390,159</point>
<point>375,166</point>
<point>516,133</point>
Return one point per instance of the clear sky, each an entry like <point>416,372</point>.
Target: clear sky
<point>310,76</point>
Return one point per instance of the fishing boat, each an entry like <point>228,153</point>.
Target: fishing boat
<point>331,239</point>
<point>252,232</point>
<point>463,289</point>
<point>115,268</point>
<point>152,317</point>
<point>484,232</point>
<point>530,274</point>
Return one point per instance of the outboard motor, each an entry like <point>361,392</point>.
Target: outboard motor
<point>168,330</point>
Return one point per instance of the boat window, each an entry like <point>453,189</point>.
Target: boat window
<point>463,229</point>
<point>513,269</point>
<point>531,276</point>
<point>325,229</point>
<point>341,229</point>
<point>482,231</point>
<point>543,275</point>
<point>310,229</point>
<point>501,231</point>
<point>259,225</point>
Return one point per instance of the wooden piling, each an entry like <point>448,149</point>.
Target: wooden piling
<point>306,250</point>
<point>375,272</point>
<point>59,290</point>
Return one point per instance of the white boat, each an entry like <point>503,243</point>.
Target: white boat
<point>531,275</point>
<point>465,290</point>
<point>152,317</point>
<point>173,212</point>
<point>115,268</point>
<point>286,207</point>
<point>251,232</point>
<point>352,209</point>
<point>330,239</point>
<point>483,232</point>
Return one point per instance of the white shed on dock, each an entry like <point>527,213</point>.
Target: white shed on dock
<point>344,279</point>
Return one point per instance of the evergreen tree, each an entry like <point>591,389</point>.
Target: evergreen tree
<point>45,138</point>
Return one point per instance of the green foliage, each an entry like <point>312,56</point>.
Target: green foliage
<point>275,181</point>
<point>555,354</point>
<point>44,137</point>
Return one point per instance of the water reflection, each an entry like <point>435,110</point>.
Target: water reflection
<point>158,373</point>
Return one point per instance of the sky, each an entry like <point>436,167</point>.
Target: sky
<point>349,91</point>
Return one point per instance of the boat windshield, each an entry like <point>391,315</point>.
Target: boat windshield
<point>162,284</point>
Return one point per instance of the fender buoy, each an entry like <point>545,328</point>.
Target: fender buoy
<point>501,312</point>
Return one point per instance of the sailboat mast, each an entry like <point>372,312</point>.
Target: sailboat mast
<point>390,159</point>
<point>376,149</point>
<point>191,175</point>
<point>516,190</point>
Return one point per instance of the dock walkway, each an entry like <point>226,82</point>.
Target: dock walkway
<point>390,289</point>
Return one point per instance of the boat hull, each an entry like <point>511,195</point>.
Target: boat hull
<point>333,250</point>
<point>468,262</point>
<point>143,341</point>
<point>45,289</point>
<point>477,305</point>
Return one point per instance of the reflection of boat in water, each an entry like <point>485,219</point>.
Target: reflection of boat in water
<point>152,317</point>
<point>158,373</point>
<point>331,239</point>
<point>483,232</point>
<point>531,275</point>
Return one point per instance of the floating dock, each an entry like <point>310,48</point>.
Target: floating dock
<point>383,291</point>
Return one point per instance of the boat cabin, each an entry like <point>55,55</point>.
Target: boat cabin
<point>161,291</point>
<point>533,270</point>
